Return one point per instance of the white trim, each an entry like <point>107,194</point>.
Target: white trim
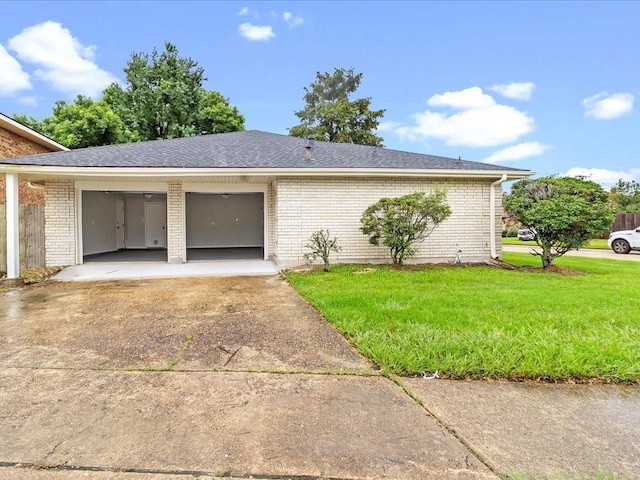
<point>492,215</point>
<point>112,186</point>
<point>78,222</point>
<point>177,173</point>
<point>25,132</point>
<point>228,188</point>
<point>13,226</point>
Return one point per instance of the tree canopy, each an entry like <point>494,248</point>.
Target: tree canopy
<point>84,123</point>
<point>625,196</point>
<point>564,213</point>
<point>163,97</point>
<point>399,223</point>
<point>330,115</point>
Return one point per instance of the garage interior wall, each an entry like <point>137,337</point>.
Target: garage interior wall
<point>98,221</point>
<point>224,220</point>
<point>134,227</point>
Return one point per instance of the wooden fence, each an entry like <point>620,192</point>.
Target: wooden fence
<point>624,221</point>
<point>31,237</point>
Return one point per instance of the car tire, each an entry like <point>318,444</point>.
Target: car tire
<point>620,246</point>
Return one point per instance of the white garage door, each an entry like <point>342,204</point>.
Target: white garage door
<point>232,220</point>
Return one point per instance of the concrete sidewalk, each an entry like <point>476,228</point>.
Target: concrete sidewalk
<point>74,424</point>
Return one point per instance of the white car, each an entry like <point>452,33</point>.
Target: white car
<point>526,234</point>
<point>625,240</point>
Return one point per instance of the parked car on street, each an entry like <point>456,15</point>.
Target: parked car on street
<point>526,234</point>
<point>624,241</point>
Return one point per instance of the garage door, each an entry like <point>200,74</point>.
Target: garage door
<point>229,220</point>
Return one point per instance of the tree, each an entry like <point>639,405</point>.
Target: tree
<point>217,116</point>
<point>28,121</point>
<point>329,115</point>
<point>81,124</point>
<point>164,98</point>
<point>399,223</point>
<point>563,212</point>
<point>625,196</point>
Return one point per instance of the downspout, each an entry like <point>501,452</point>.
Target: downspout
<point>35,186</point>
<point>492,214</point>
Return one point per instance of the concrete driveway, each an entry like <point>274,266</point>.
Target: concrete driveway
<point>241,378</point>
<point>197,377</point>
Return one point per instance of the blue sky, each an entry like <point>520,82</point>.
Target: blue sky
<point>547,86</point>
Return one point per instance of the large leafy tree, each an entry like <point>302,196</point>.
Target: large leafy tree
<point>399,223</point>
<point>163,97</point>
<point>83,123</point>
<point>331,115</point>
<point>625,196</point>
<point>563,212</point>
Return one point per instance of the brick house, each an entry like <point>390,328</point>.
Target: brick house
<point>16,140</point>
<point>250,195</point>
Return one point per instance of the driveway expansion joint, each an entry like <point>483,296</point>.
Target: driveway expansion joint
<point>444,425</point>
<point>154,471</point>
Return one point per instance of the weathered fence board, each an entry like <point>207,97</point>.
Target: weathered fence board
<point>623,221</point>
<point>31,237</point>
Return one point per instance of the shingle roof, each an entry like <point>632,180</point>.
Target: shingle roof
<point>248,149</point>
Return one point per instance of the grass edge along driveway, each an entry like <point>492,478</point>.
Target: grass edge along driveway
<point>582,324</point>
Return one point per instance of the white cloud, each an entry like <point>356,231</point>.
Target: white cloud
<point>12,78</point>
<point>243,11</point>
<point>256,33</point>
<point>605,177</point>
<point>462,100</point>
<point>517,152</point>
<point>62,60</point>
<point>387,126</point>
<point>607,107</point>
<point>517,91</point>
<point>481,122</point>
<point>292,20</point>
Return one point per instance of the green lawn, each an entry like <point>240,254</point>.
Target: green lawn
<point>597,243</point>
<point>486,322</point>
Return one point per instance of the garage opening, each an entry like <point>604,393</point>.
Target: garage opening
<point>124,226</point>
<point>224,226</point>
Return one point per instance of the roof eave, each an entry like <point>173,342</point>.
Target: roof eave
<point>15,127</point>
<point>155,172</point>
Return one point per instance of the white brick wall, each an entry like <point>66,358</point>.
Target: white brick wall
<point>175,223</point>
<point>60,224</point>
<point>271,219</point>
<point>306,205</point>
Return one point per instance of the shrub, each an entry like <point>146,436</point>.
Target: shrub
<point>321,245</point>
<point>399,223</point>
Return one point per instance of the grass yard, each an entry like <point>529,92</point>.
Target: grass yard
<point>595,243</point>
<point>487,322</point>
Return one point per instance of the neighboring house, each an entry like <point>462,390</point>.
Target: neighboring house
<point>251,194</point>
<point>17,140</point>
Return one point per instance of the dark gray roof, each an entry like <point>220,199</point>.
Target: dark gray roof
<point>248,149</point>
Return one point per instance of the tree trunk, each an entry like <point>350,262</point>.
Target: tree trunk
<point>547,257</point>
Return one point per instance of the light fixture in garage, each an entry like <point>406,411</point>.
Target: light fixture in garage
<point>148,196</point>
